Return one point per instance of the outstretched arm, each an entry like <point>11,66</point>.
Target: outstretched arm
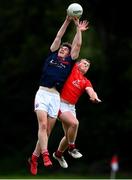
<point>93,95</point>
<point>57,41</point>
<point>77,41</point>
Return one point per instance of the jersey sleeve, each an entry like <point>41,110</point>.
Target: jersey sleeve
<point>88,83</point>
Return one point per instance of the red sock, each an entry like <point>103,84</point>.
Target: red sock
<point>58,153</point>
<point>34,157</point>
<point>71,146</point>
<point>45,153</point>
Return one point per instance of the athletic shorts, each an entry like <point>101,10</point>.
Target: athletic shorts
<point>67,107</point>
<point>47,101</point>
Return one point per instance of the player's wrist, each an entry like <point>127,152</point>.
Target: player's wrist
<point>68,19</point>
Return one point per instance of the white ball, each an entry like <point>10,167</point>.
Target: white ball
<point>75,10</point>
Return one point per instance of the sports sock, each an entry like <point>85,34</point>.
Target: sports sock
<point>45,153</point>
<point>34,158</point>
<point>71,146</point>
<point>58,153</point>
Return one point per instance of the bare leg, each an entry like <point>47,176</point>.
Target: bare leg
<point>43,136</point>
<point>70,126</point>
<point>42,131</point>
<point>51,123</point>
<point>45,128</point>
<point>37,150</point>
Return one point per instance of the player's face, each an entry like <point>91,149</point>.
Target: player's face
<point>63,51</point>
<point>84,66</point>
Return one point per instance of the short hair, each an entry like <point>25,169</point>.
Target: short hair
<point>85,60</point>
<point>67,45</point>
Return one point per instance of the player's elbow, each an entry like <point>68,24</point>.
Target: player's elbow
<point>75,55</point>
<point>55,45</point>
<point>75,52</point>
<point>79,44</point>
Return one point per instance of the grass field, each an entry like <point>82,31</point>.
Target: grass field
<point>77,170</point>
<point>63,176</point>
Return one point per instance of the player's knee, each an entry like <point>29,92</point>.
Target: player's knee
<point>43,126</point>
<point>75,124</point>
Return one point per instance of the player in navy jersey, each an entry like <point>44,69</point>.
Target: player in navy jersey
<point>55,71</point>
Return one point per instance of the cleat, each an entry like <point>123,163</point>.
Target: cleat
<point>47,161</point>
<point>75,153</point>
<point>61,161</point>
<point>33,166</point>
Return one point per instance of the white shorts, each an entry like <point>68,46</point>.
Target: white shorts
<point>67,107</point>
<point>47,101</point>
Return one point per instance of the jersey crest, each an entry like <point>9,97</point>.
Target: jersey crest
<point>76,83</point>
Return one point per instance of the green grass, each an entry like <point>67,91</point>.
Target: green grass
<point>59,175</point>
<point>78,170</point>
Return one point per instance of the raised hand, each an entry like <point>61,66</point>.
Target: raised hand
<point>76,21</point>
<point>68,18</point>
<point>83,25</point>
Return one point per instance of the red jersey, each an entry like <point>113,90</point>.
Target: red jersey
<point>74,86</point>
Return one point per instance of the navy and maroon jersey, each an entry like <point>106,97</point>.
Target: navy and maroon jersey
<point>55,71</point>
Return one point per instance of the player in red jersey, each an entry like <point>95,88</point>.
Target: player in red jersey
<point>73,88</point>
